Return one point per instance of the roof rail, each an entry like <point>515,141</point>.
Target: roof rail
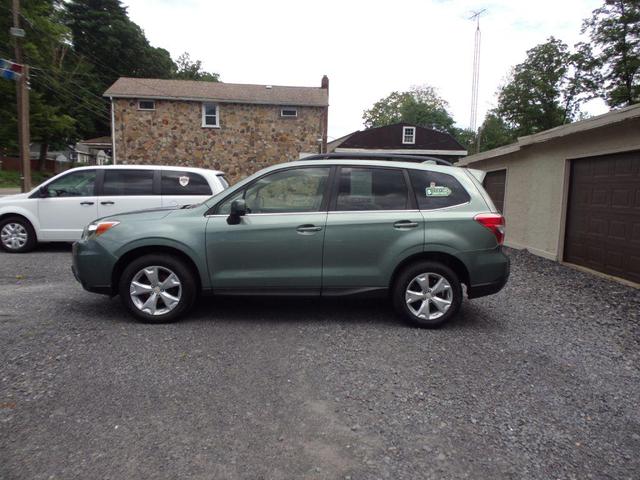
<point>376,156</point>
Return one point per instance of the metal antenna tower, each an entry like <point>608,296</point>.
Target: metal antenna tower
<point>476,71</point>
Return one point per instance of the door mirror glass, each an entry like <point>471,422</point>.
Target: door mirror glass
<point>238,209</point>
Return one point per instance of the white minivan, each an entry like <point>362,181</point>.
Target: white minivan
<point>60,208</point>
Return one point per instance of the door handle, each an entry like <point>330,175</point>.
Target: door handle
<point>87,203</point>
<point>306,229</point>
<point>405,224</point>
<point>107,203</point>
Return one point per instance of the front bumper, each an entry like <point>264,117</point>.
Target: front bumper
<point>92,266</point>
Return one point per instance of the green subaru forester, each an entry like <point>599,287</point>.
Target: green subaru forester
<point>320,227</point>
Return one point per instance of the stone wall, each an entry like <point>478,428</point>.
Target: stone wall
<point>250,137</point>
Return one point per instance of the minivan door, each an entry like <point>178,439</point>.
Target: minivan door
<point>180,188</point>
<point>70,205</point>
<point>372,224</point>
<point>127,190</point>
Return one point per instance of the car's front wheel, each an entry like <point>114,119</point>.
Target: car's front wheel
<point>158,288</point>
<point>427,294</point>
<point>17,235</point>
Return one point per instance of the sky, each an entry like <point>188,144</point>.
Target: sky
<point>368,49</point>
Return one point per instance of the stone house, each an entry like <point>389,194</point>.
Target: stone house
<point>237,128</point>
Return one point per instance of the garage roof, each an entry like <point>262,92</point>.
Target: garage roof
<point>153,88</point>
<point>604,120</point>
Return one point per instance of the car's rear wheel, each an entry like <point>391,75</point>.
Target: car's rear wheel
<point>17,235</point>
<point>427,294</point>
<point>158,288</point>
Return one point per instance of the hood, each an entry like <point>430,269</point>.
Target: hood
<point>12,198</point>
<point>142,215</point>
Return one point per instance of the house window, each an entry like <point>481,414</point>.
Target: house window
<point>146,105</point>
<point>409,135</point>
<point>288,112</point>
<point>210,115</point>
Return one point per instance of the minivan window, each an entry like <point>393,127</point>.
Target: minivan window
<point>437,190</point>
<point>175,182</point>
<point>127,182</point>
<point>287,191</point>
<point>76,184</point>
<point>371,189</point>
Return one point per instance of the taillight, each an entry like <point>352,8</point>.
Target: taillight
<point>494,222</point>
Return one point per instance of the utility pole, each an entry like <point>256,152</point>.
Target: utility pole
<point>22,96</point>
<point>476,71</point>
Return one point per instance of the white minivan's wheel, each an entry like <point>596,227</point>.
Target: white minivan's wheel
<point>17,235</point>
<point>427,294</point>
<point>158,288</point>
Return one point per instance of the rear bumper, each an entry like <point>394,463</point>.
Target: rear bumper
<point>492,276</point>
<point>92,267</point>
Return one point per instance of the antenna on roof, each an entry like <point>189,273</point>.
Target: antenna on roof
<point>476,70</point>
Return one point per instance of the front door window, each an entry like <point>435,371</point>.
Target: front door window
<point>296,190</point>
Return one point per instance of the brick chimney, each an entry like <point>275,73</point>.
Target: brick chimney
<point>325,82</point>
<point>325,116</point>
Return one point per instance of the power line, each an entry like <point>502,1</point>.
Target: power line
<point>82,102</point>
<point>81,105</point>
<point>94,59</point>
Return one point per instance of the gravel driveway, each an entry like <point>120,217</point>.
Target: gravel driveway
<point>539,381</point>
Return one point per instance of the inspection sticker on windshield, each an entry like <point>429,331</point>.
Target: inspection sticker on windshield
<point>184,181</point>
<point>434,190</point>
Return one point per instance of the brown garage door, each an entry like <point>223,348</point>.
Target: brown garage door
<point>494,185</point>
<point>603,214</point>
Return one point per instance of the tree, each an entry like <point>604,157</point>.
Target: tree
<point>45,46</point>
<point>544,91</point>
<point>419,106</point>
<point>105,36</point>
<point>494,132</point>
<point>614,29</point>
<point>188,70</point>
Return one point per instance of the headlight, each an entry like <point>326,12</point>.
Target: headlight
<point>98,228</point>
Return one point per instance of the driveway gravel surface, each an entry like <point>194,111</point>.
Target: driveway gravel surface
<point>540,381</point>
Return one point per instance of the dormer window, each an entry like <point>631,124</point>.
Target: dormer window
<point>409,135</point>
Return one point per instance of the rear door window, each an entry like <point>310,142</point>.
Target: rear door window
<point>175,182</point>
<point>362,189</point>
<point>437,190</point>
<point>127,182</point>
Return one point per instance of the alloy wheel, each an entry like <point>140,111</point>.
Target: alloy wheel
<point>155,290</point>
<point>14,236</point>
<point>429,296</point>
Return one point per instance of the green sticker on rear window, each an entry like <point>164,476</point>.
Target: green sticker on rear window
<point>434,190</point>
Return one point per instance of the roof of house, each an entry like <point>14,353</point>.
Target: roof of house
<point>154,88</point>
<point>97,141</point>
<point>390,137</point>
<point>592,123</point>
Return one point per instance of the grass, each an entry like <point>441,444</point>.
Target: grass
<point>11,179</point>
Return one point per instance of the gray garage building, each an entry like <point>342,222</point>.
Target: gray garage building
<point>572,193</point>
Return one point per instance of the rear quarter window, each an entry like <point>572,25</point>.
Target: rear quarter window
<point>437,190</point>
<point>175,182</point>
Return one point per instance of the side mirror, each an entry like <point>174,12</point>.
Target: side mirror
<point>43,191</point>
<point>238,209</point>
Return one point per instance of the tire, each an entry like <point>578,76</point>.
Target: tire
<point>414,279</point>
<point>17,235</point>
<point>138,298</point>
